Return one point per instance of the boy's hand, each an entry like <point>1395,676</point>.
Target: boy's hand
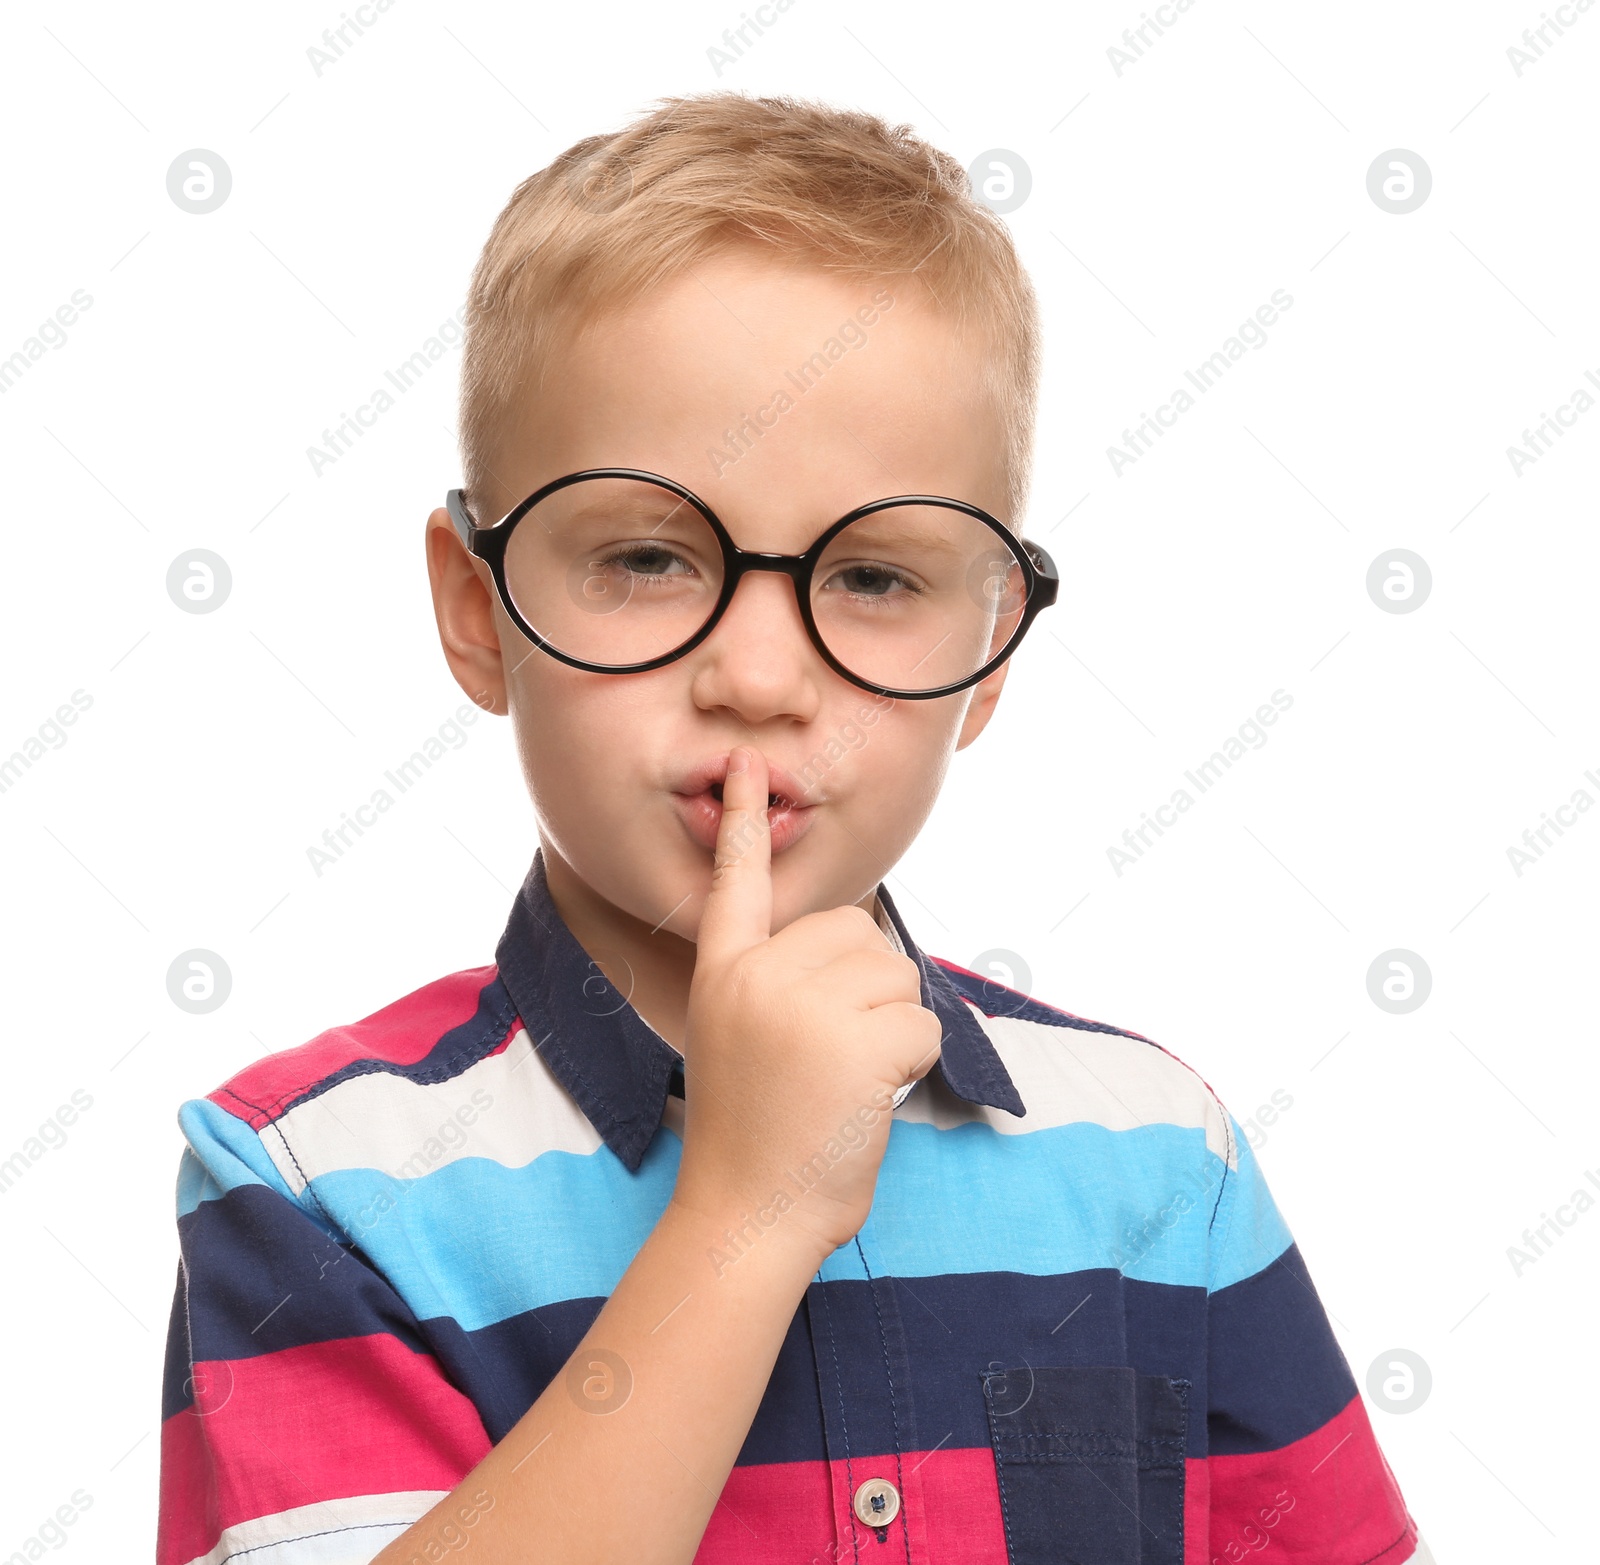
<point>793,1040</point>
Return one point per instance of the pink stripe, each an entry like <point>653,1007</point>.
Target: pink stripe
<point>363,1415</point>
<point>798,1513</point>
<point>400,1034</point>
<point>985,978</point>
<point>1196,1511</point>
<point>1327,1499</point>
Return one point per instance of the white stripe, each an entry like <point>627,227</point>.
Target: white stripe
<point>1068,1076</point>
<point>334,1532</point>
<point>886,924</point>
<point>509,1107</point>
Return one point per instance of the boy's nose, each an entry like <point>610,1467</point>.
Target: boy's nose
<point>759,657</point>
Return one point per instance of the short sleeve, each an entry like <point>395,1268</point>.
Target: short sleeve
<point>303,1414</point>
<point>1292,1457</point>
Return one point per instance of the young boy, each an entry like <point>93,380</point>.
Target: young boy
<point>713,1220</point>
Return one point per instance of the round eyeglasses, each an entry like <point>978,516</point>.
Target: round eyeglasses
<point>617,571</point>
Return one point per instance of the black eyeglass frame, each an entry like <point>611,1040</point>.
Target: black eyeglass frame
<point>489,544</point>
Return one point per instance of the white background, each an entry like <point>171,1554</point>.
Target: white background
<point>1167,203</point>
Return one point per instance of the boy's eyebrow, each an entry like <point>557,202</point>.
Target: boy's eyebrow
<point>635,507</point>
<point>879,529</point>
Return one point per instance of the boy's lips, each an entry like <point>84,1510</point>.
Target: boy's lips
<point>709,775</point>
<point>698,797</point>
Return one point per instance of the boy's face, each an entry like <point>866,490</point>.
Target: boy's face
<point>658,387</point>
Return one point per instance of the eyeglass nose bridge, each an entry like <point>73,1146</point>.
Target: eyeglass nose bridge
<point>743,562</point>
<point>795,566</point>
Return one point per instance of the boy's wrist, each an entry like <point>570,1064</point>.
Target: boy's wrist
<point>727,1238</point>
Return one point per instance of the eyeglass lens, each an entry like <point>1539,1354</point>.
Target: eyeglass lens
<point>618,571</point>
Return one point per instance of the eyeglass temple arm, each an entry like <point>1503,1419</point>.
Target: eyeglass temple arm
<point>1046,567</point>
<point>456,504</point>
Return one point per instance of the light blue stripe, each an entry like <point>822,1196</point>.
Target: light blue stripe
<point>480,1242</point>
<point>226,1153</point>
<point>1070,1198</point>
<point>195,1183</point>
<point>1250,1231</point>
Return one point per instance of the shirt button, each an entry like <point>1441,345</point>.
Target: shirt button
<point>877,1502</point>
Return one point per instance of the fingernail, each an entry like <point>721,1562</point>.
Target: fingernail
<point>738,761</point>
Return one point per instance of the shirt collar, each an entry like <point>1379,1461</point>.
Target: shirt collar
<point>617,1067</point>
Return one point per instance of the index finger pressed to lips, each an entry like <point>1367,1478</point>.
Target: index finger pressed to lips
<point>738,910</point>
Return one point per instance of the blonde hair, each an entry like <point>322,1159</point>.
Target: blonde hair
<point>616,214</point>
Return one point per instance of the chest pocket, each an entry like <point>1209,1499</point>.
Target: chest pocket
<point>1090,1463</point>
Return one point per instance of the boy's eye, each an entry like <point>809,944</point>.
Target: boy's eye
<point>647,560</point>
<point>874,582</point>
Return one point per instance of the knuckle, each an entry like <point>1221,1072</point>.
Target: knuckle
<point>903,972</point>
<point>864,922</point>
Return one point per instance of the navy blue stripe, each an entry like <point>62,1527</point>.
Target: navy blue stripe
<point>259,1275</point>
<point>1277,1371</point>
<point>956,1328</point>
<point>1283,1373</point>
<point>175,1390</point>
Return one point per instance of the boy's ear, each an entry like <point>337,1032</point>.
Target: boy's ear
<point>985,696</point>
<point>464,609</point>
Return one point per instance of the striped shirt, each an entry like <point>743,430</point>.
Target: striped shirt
<point>1073,1325</point>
